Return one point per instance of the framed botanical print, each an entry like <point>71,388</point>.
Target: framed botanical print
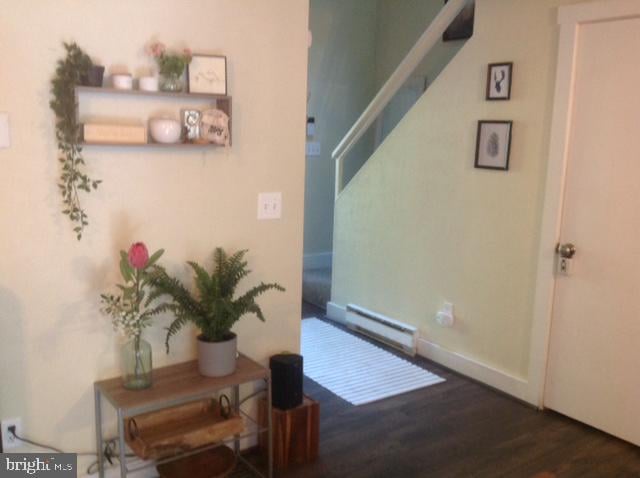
<point>493,144</point>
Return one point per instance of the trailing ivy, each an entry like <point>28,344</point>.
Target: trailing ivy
<point>70,71</point>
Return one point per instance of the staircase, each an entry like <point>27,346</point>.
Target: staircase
<point>400,78</point>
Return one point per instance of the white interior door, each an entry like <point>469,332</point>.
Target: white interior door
<point>593,372</point>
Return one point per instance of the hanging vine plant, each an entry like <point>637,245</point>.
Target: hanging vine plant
<point>71,71</point>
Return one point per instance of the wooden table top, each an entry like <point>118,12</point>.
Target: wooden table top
<point>177,384</point>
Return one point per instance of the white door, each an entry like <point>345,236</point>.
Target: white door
<point>593,372</point>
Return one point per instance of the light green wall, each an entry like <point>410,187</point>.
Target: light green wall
<point>341,83</point>
<point>418,225</point>
<point>400,24</point>
<point>357,44</point>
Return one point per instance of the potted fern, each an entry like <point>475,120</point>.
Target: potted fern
<point>214,309</point>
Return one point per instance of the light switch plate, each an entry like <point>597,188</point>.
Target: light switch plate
<point>5,137</point>
<point>269,205</point>
<point>313,148</point>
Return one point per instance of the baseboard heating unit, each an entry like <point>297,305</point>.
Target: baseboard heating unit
<point>392,332</point>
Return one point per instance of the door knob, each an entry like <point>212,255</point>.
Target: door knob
<point>566,250</point>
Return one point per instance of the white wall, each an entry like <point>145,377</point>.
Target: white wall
<point>419,225</point>
<point>53,341</point>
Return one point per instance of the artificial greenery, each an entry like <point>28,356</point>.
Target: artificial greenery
<point>213,309</point>
<point>128,311</point>
<point>169,64</point>
<point>70,72</point>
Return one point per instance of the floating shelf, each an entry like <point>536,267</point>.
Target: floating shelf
<point>164,94</point>
<point>154,145</point>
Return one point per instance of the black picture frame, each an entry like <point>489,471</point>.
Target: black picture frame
<point>499,85</point>
<point>198,61</point>
<point>493,144</point>
<point>461,27</point>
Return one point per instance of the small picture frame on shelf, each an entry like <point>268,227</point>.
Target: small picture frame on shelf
<point>207,74</point>
<point>493,144</point>
<point>191,125</point>
<point>499,81</point>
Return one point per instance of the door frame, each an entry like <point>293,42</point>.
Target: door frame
<point>570,19</point>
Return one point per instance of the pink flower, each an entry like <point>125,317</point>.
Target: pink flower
<point>138,255</point>
<point>156,49</point>
<point>187,53</point>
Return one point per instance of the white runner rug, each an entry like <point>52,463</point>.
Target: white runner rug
<point>354,369</point>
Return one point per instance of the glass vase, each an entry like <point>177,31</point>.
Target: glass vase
<point>136,364</point>
<point>171,82</point>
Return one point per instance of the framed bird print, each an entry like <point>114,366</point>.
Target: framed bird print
<point>499,81</point>
<point>207,74</point>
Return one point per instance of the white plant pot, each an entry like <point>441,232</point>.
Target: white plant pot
<point>217,359</point>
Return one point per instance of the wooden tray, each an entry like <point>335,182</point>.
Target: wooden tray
<point>216,463</point>
<point>183,428</point>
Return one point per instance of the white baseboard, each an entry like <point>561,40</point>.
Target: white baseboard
<point>337,313</point>
<point>317,260</point>
<point>498,379</point>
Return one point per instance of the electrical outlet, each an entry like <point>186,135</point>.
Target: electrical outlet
<point>445,316</point>
<point>8,440</point>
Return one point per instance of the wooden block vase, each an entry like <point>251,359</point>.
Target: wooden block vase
<point>296,433</point>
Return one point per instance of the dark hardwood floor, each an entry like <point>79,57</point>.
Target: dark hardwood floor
<point>459,428</point>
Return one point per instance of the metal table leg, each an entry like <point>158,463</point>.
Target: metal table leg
<point>121,445</point>
<point>99,443</point>
<point>269,430</point>
<point>236,409</point>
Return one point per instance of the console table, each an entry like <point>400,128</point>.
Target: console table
<point>176,385</point>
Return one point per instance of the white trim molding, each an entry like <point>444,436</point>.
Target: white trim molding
<point>318,260</point>
<point>570,18</point>
<point>498,379</point>
<point>472,368</point>
<point>597,11</point>
<point>337,312</point>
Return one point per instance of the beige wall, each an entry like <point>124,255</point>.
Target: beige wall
<point>53,341</point>
<point>418,225</point>
<point>341,84</point>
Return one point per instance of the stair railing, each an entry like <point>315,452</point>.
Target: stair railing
<point>423,46</point>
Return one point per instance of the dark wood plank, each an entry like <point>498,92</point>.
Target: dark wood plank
<point>459,428</point>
